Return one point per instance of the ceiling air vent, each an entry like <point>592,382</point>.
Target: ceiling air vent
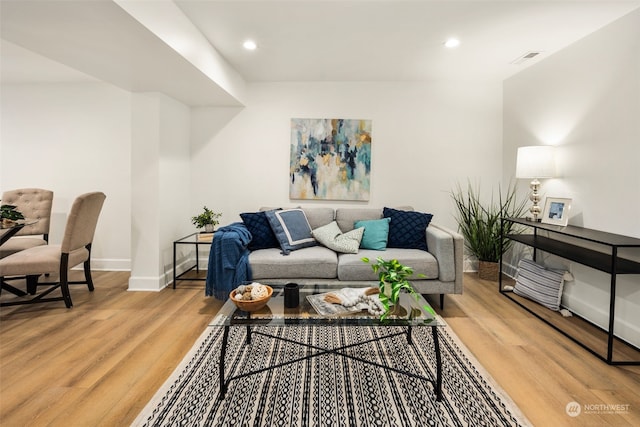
<point>526,57</point>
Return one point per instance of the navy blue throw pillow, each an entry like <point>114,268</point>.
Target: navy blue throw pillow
<point>292,229</point>
<point>407,229</point>
<point>258,225</point>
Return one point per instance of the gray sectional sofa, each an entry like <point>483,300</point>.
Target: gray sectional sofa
<point>441,265</point>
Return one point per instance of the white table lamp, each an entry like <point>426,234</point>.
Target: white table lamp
<point>536,162</point>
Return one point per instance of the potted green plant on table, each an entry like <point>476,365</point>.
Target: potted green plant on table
<point>393,279</point>
<point>9,214</point>
<point>480,225</point>
<point>208,219</point>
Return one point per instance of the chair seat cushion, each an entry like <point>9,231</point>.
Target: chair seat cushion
<point>39,260</point>
<point>17,244</point>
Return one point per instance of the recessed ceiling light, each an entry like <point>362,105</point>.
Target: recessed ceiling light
<point>451,43</point>
<point>250,45</point>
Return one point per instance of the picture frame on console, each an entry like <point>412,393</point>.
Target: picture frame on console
<point>556,211</point>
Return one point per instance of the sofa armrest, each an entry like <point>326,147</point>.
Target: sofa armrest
<point>447,247</point>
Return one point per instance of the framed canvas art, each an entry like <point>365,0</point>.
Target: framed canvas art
<point>330,159</point>
<point>556,211</point>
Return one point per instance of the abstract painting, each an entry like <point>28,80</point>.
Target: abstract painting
<point>330,159</point>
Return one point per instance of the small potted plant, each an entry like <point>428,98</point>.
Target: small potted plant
<point>208,219</point>
<point>393,279</point>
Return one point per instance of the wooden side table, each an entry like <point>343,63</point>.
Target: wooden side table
<point>195,240</point>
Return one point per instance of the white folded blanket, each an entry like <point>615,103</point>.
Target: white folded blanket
<point>359,298</point>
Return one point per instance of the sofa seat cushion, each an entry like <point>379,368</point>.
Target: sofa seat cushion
<point>351,266</point>
<point>313,262</point>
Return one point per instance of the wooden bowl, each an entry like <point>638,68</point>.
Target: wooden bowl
<point>252,305</point>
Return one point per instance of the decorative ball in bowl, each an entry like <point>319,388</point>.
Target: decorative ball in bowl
<point>251,297</point>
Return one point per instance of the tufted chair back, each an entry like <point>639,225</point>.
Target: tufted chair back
<point>33,203</point>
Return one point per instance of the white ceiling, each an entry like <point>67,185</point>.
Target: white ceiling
<point>392,40</point>
<point>298,40</point>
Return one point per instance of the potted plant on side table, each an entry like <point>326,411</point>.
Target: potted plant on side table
<point>480,225</point>
<point>208,219</point>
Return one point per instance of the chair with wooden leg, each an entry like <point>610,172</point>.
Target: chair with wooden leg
<point>50,259</point>
<point>35,204</point>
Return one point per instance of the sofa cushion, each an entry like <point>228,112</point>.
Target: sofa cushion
<point>291,229</point>
<point>407,229</point>
<point>262,236</point>
<point>346,217</point>
<point>318,217</point>
<point>313,262</point>
<point>376,233</point>
<point>351,266</point>
<point>332,237</point>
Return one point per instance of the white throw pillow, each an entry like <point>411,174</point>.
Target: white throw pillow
<point>332,237</point>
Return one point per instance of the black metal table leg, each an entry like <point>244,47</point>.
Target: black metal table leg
<point>223,351</point>
<point>436,345</point>
<point>12,289</point>
<point>248,330</point>
<point>339,351</point>
<point>174,264</point>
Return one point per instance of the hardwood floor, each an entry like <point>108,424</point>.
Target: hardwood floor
<point>99,363</point>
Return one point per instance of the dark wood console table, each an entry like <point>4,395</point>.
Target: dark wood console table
<point>595,249</point>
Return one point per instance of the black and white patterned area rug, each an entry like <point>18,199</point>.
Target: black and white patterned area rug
<point>330,390</point>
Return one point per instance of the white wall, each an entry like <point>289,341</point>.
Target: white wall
<point>586,100</point>
<point>160,187</point>
<point>86,136</point>
<point>425,138</point>
<point>72,139</point>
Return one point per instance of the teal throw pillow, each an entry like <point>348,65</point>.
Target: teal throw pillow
<point>376,233</point>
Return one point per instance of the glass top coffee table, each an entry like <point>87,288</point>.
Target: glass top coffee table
<point>308,313</point>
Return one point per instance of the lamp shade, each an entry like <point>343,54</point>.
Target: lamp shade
<point>536,162</point>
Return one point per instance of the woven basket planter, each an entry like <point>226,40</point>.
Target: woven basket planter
<point>488,270</point>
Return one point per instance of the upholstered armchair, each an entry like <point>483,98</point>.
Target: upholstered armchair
<point>58,259</point>
<point>34,204</point>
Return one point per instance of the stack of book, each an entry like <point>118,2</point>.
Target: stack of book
<point>205,237</point>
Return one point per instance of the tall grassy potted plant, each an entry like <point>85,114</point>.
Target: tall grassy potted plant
<point>479,224</point>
